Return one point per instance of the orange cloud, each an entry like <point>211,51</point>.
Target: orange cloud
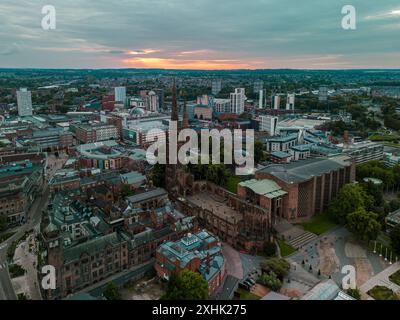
<point>160,63</point>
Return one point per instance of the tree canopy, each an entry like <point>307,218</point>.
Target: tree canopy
<point>363,224</point>
<point>276,265</point>
<point>187,285</point>
<point>395,238</point>
<point>111,292</point>
<point>270,280</point>
<point>350,198</point>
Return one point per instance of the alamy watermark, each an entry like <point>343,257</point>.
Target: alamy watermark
<point>349,280</point>
<point>49,278</point>
<point>49,20</point>
<point>234,151</point>
<point>349,21</point>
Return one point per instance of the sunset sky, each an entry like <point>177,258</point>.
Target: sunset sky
<point>200,34</point>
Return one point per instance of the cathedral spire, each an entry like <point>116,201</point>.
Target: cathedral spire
<point>174,113</point>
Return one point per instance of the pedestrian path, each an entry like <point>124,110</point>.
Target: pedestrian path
<point>293,235</point>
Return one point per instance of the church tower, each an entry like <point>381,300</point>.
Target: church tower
<point>177,179</point>
<point>170,170</point>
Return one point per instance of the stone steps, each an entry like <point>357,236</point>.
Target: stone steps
<point>302,239</point>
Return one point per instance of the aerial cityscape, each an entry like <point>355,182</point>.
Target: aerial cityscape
<point>168,167</point>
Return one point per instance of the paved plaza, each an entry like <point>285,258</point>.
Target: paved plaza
<point>331,251</point>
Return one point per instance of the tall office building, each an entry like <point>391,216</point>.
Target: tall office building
<point>290,101</point>
<point>160,93</point>
<point>268,124</point>
<point>276,102</point>
<point>258,85</point>
<point>323,93</point>
<point>152,102</point>
<point>216,87</point>
<point>237,101</point>
<point>24,101</point>
<point>120,94</point>
<point>206,100</point>
<point>261,98</point>
<point>222,105</point>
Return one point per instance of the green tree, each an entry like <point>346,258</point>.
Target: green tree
<point>376,193</point>
<point>269,248</point>
<point>276,265</point>
<point>363,224</point>
<point>126,191</point>
<point>187,285</point>
<point>3,222</point>
<point>355,293</point>
<point>111,292</point>
<point>258,152</point>
<point>350,198</point>
<point>270,280</point>
<point>395,238</point>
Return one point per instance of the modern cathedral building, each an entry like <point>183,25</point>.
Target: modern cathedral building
<point>298,190</point>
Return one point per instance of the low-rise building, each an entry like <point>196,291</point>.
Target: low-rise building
<point>200,252</point>
<point>19,187</point>
<point>281,143</point>
<point>91,238</point>
<point>95,133</point>
<point>393,219</point>
<point>105,155</point>
<point>365,151</point>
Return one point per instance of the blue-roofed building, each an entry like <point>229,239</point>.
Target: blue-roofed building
<point>200,252</point>
<point>281,143</point>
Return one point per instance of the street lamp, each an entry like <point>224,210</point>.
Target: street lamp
<point>386,254</point>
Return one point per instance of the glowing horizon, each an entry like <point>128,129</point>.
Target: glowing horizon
<point>258,34</point>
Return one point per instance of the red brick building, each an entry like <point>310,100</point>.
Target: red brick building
<point>300,189</point>
<point>199,252</point>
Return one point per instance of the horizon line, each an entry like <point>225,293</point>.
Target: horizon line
<point>209,70</point>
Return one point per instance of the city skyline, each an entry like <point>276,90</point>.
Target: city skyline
<point>204,35</point>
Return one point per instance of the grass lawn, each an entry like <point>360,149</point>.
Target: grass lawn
<point>382,293</point>
<point>232,183</point>
<point>319,224</point>
<point>395,277</point>
<point>391,144</point>
<point>247,295</point>
<point>285,248</point>
<point>5,236</point>
<point>384,137</point>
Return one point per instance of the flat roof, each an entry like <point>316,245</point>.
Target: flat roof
<point>264,187</point>
<point>304,170</point>
<point>147,195</point>
<point>280,154</point>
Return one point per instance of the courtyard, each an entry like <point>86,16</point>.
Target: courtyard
<point>326,255</point>
<point>216,205</point>
<point>142,290</point>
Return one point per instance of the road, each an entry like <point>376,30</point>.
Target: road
<point>34,216</point>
